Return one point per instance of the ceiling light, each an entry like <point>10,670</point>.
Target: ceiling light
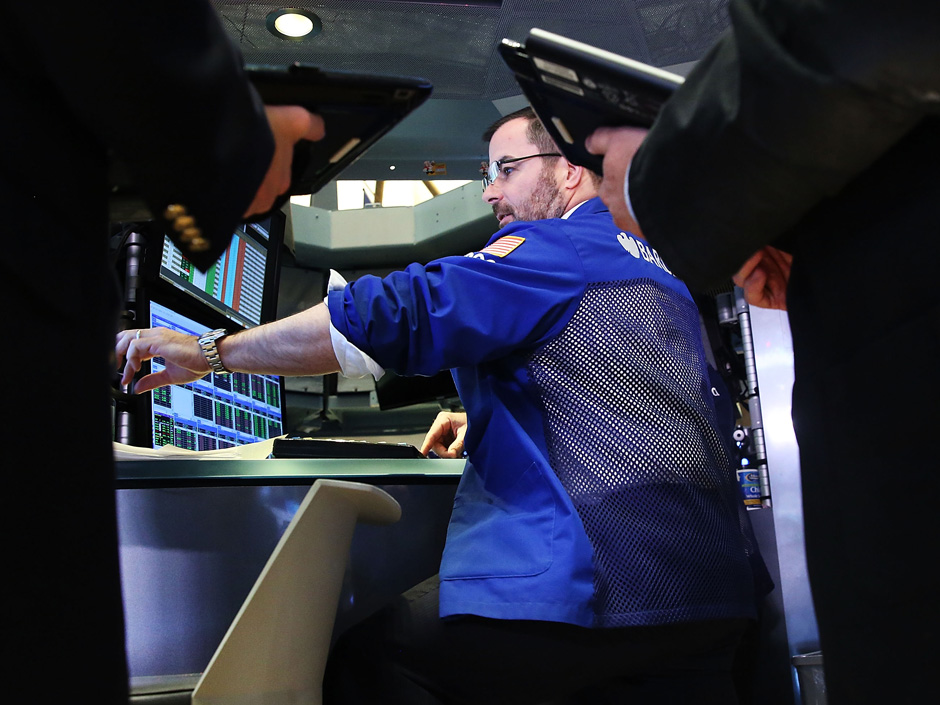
<point>293,24</point>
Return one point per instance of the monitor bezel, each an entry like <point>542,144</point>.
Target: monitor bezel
<point>153,281</point>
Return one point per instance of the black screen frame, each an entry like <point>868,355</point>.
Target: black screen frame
<point>155,284</point>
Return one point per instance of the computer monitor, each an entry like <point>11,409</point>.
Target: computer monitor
<point>239,291</point>
<point>217,411</point>
<point>393,391</point>
<point>241,285</point>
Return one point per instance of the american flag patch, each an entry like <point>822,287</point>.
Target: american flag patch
<point>504,245</point>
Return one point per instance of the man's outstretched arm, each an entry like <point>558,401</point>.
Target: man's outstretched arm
<point>297,345</point>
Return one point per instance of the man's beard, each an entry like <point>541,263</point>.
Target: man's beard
<point>545,202</point>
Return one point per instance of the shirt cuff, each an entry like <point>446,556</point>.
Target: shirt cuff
<point>352,361</point>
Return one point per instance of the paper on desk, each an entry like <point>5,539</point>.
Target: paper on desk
<point>249,451</point>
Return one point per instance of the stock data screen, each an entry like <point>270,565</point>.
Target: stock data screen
<point>234,285</point>
<point>217,411</point>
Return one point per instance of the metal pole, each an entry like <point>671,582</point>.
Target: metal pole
<point>134,248</point>
<point>753,395</point>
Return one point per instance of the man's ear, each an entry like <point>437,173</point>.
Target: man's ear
<point>574,175</point>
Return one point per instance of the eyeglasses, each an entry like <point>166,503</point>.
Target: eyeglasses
<point>494,169</point>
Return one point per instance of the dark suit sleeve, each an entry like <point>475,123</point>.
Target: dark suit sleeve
<point>795,102</point>
<point>163,89</point>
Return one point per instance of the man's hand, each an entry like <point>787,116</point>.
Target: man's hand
<point>617,145</point>
<point>764,278</point>
<point>184,359</point>
<point>290,124</point>
<point>448,428</point>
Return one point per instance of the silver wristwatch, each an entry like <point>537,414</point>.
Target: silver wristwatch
<point>207,341</point>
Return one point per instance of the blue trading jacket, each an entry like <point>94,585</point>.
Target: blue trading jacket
<point>598,490</point>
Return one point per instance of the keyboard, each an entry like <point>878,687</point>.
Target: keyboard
<point>338,448</point>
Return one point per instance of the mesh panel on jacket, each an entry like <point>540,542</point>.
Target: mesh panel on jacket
<point>634,440</point>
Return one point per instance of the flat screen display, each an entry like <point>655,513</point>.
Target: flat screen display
<point>217,411</point>
<point>235,285</point>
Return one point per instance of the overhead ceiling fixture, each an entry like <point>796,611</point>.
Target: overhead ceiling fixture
<point>293,23</point>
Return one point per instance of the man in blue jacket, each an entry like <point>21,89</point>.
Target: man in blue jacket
<point>598,540</point>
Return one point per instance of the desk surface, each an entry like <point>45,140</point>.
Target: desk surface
<point>191,473</point>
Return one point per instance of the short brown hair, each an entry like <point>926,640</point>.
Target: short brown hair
<point>535,132</point>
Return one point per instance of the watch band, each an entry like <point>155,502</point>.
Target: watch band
<point>207,341</point>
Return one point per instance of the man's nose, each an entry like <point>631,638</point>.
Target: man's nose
<point>492,193</point>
